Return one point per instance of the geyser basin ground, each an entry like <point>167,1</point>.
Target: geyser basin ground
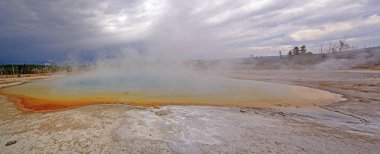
<point>150,89</point>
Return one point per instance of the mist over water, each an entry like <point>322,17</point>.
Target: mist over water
<point>138,80</point>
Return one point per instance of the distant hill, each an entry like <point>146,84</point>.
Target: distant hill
<point>354,58</point>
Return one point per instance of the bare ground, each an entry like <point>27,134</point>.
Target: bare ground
<point>352,126</point>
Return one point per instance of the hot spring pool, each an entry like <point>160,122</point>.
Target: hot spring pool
<point>152,90</point>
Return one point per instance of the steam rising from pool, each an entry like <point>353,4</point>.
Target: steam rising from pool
<point>153,82</point>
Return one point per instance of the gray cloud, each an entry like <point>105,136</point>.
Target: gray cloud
<point>187,29</point>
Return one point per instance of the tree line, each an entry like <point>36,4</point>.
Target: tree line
<point>299,51</point>
<point>14,69</point>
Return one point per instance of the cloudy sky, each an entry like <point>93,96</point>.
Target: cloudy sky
<point>36,31</point>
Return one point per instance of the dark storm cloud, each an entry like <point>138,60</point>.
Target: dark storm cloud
<point>41,30</point>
